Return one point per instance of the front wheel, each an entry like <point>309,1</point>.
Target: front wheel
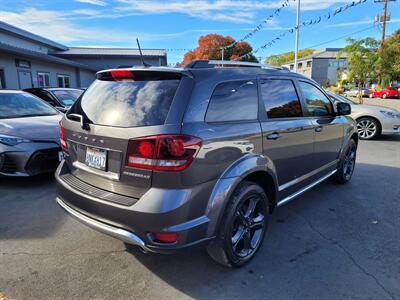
<point>368,128</point>
<point>347,164</point>
<point>243,226</point>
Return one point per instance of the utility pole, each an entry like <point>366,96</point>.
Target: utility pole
<point>385,3</point>
<point>296,52</point>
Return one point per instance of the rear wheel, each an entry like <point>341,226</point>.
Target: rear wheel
<point>346,164</point>
<point>368,128</point>
<point>243,226</point>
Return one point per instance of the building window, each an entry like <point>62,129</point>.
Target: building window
<point>43,79</point>
<point>63,81</point>
<point>291,67</point>
<point>2,79</point>
<point>309,64</point>
<point>299,65</point>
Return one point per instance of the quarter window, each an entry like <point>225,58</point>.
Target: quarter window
<point>280,99</point>
<point>63,81</point>
<point>43,79</point>
<point>317,103</point>
<point>233,101</point>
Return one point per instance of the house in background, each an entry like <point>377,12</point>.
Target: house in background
<point>323,66</point>
<point>29,60</point>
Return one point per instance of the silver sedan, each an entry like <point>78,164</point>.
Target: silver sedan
<point>29,135</point>
<point>372,121</point>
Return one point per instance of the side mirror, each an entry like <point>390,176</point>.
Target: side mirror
<point>343,109</point>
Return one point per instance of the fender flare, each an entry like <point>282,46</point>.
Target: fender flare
<point>228,182</point>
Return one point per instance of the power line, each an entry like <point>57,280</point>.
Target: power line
<point>342,37</point>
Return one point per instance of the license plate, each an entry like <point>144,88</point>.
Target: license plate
<point>60,156</point>
<point>96,158</point>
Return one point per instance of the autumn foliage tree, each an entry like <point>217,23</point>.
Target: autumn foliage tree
<point>209,47</point>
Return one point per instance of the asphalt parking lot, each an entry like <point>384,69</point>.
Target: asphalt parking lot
<point>335,242</point>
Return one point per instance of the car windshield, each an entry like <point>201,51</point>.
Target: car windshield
<point>20,105</point>
<point>340,98</point>
<point>67,97</point>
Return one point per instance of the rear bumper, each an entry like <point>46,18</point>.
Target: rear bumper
<point>123,235</point>
<point>181,211</point>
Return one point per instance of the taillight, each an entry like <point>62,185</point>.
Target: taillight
<point>63,139</point>
<point>121,75</point>
<point>162,152</point>
<point>165,237</point>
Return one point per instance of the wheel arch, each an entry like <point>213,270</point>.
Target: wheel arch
<point>256,168</point>
<point>371,117</point>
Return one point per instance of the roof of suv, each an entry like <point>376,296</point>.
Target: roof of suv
<point>226,68</point>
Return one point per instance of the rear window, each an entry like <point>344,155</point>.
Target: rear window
<point>127,103</point>
<point>67,97</point>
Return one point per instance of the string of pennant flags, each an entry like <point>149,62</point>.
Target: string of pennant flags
<point>258,28</point>
<point>310,22</point>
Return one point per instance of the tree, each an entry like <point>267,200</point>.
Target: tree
<point>390,58</point>
<point>363,60</point>
<point>281,59</point>
<point>209,47</point>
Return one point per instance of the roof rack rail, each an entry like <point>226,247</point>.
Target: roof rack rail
<point>200,64</point>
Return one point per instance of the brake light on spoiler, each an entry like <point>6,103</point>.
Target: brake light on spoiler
<point>167,152</point>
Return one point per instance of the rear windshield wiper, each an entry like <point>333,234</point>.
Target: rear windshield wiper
<point>84,121</point>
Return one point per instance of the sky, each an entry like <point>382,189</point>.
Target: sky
<point>177,25</point>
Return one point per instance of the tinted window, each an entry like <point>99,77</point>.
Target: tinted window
<point>280,99</point>
<point>67,97</point>
<point>233,101</point>
<point>317,103</point>
<point>18,105</point>
<point>127,103</point>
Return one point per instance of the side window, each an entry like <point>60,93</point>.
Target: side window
<point>317,103</point>
<point>280,99</point>
<point>233,101</point>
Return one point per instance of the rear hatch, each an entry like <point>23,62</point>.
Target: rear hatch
<point>118,108</point>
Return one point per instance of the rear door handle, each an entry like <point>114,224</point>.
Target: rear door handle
<point>273,136</point>
<point>318,129</point>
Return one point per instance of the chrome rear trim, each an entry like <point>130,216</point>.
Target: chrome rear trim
<point>121,234</point>
<point>305,189</point>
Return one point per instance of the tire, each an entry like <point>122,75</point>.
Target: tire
<point>368,128</point>
<point>346,164</point>
<point>242,229</point>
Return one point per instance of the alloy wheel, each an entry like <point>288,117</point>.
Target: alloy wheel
<point>349,162</point>
<point>248,226</point>
<point>366,129</point>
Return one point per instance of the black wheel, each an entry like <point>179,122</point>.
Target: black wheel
<point>243,226</point>
<point>368,128</point>
<point>346,164</point>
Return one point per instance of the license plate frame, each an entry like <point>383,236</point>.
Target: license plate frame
<point>96,158</point>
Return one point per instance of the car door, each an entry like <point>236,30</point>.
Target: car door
<point>327,126</point>
<point>288,136</point>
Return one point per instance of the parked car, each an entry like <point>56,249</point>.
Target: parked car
<point>354,92</point>
<point>29,135</point>
<point>372,121</point>
<point>168,158</point>
<point>60,98</point>
<point>387,92</point>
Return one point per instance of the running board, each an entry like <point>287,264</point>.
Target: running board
<point>305,189</point>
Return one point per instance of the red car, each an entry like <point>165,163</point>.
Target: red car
<point>387,92</point>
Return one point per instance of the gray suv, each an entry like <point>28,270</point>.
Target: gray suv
<point>168,158</point>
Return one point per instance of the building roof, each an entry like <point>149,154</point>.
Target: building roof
<point>42,56</point>
<point>324,53</point>
<point>30,36</point>
<point>109,51</point>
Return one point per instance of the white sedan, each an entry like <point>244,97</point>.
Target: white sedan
<point>372,121</point>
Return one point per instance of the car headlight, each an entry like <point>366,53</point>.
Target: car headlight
<point>12,140</point>
<point>389,114</point>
